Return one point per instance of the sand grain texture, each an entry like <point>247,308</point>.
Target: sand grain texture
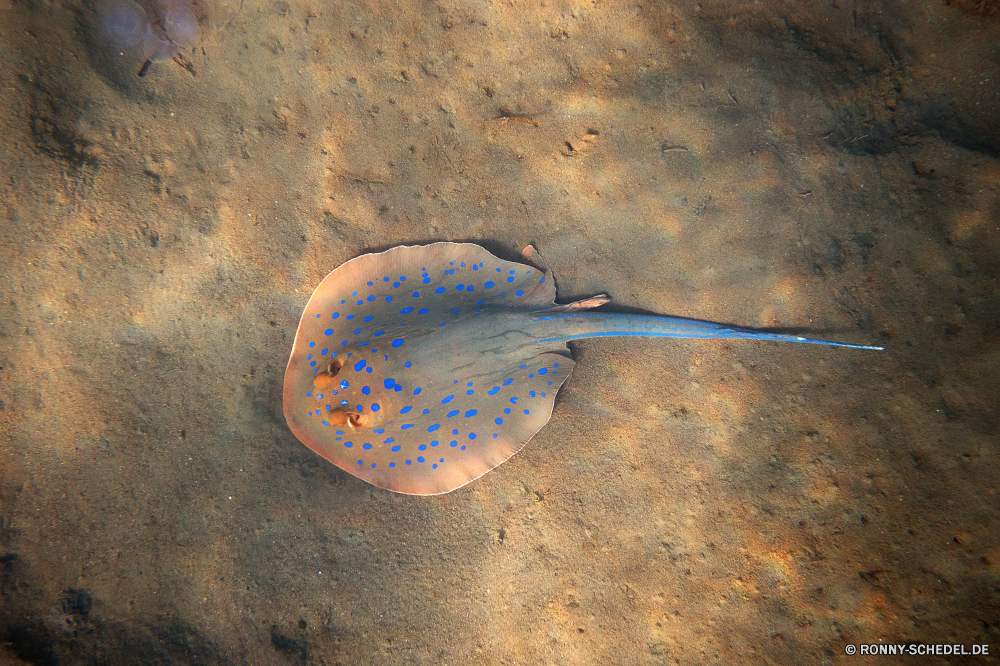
<point>830,169</point>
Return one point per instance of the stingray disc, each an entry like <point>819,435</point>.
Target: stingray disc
<point>411,370</point>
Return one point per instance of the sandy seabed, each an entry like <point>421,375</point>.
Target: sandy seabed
<point>828,168</point>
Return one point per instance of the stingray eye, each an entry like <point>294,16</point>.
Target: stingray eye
<point>324,380</point>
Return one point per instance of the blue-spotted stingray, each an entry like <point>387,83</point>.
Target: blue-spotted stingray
<point>421,368</point>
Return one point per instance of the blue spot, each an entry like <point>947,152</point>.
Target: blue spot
<point>312,344</point>
<point>328,331</point>
<point>371,298</point>
<point>389,383</point>
<point>423,311</point>
<point>365,390</point>
<point>388,441</point>
<point>489,285</point>
<point>469,392</point>
<point>409,462</point>
<point>463,448</point>
<point>348,445</point>
<point>406,426</point>
<point>526,411</point>
<point>506,410</point>
<point>402,278</point>
<point>542,280</point>
<point>358,330</point>
<point>531,393</point>
<point>462,264</point>
<point>510,279</point>
<point>392,464</point>
<point>397,343</point>
<point>427,411</point>
<point>397,388</point>
<point>434,427</point>
<point>439,290</point>
<point>453,444</point>
<point>472,435</point>
<point>435,443</point>
<point>335,315</point>
<point>343,384</point>
<point>416,294</point>
<point>422,447</point>
<point>499,421</point>
<point>452,413</point>
<point>395,449</point>
<point>366,446</point>
<point>513,400</point>
<point>407,364</point>
<point>508,381</point>
<point>406,310</point>
<point>456,311</point>
<point>350,316</point>
<point>376,334</point>
<point>312,364</point>
<point>417,390</point>
<point>427,280</point>
<point>395,285</point>
<point>323,353</point>
<point>470,413</point>
<point>434,466</point>
<point>469,288</point>
<point>324,422</point>
<point>494,435</point>
<point>405,410</point>
<point>368,318</point>
<point>360,364</point>
<point>420,459</point>
<point>493,391</point>
<point>459,287</point>
<point>378,431</point>
<point>519,293</point>
<point>447,400</point>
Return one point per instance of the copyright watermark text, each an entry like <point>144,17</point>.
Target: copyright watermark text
<point>917,649</point>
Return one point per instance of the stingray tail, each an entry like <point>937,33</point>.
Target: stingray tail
<point>563,326</point>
